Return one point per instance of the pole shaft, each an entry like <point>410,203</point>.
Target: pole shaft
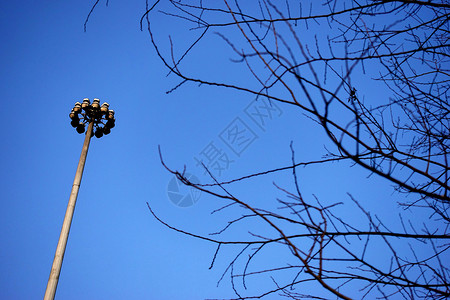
<point>61,247</point>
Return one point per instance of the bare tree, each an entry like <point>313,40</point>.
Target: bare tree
<point>401,135</point>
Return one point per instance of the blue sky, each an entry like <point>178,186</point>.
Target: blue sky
<point>116,249</point>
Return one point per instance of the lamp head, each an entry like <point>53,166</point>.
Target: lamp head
<point>110,123</point>
<point>105,107</point>
<point>80,128</point>
<point>96,103</point>
<point>111,114</point>
<point>99,132</point>
<point>85,103</point>
<point>75,123</point>
<point>77,107</point>
<point>74,115</point>
<point>106,130</point>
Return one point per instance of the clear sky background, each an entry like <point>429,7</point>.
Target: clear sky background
<point>116,249</point>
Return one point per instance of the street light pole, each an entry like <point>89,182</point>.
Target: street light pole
<point>94,115</point>
<point>61,248</point>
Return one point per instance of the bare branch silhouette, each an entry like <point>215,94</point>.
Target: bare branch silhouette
<point>401,135</point>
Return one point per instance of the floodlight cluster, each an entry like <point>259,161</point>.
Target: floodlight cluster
<point>85,112</point>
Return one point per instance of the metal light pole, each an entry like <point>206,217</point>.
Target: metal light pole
<point>102,118</point>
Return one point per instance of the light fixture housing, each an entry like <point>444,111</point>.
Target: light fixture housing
<point>75,123</point>
<point>104,108</point>
<point>77,107</point>
<point>96,103</point>
<point>110,123</point>
<point>74,115</point>
<point>80,128</point>
<point>85,103</point>
<point>99,132</point>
